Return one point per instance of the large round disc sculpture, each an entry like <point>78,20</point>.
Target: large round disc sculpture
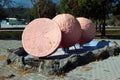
<point>70,28</point>
<point>41,37</point>
<point>88,30</point>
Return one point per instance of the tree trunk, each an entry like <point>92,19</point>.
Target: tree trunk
<point>103,29</point>
<point>100,26</point>
<point>96,24</point>
<point>0,26</point>
<point>38,11</point>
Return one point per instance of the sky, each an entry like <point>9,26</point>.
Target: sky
<point>27,3</point>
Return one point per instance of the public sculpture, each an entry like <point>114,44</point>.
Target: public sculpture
<point>43,36</point>
<point>70,28</point>
<point>88,30</point>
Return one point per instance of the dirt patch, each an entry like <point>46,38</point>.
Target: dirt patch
<point>3,57</point>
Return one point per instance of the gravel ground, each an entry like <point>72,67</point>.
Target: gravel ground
<point>107,69</point>
<point>6,44</point>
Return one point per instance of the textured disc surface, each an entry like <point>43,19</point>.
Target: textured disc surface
<point>70,28</point>
<point>88,30</point>
<point>41,37</point>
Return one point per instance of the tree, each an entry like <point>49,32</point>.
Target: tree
<point>5,4</point>
<point>44,8</point>
<point>116,8</point>
<point>3,14</point>
<point>116,14</point>
<point>98,10</point>
<point>76,7</point>
<point>69,6</point>
<point>93,9</point>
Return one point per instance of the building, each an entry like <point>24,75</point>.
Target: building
<point>14,23</point>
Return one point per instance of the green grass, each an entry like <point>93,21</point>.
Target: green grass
<point>10,35</point>
<point>110,34</point>
<point>115,34</point>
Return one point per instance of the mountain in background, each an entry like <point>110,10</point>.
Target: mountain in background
<point>56,1</point>
<point>27,3</point>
